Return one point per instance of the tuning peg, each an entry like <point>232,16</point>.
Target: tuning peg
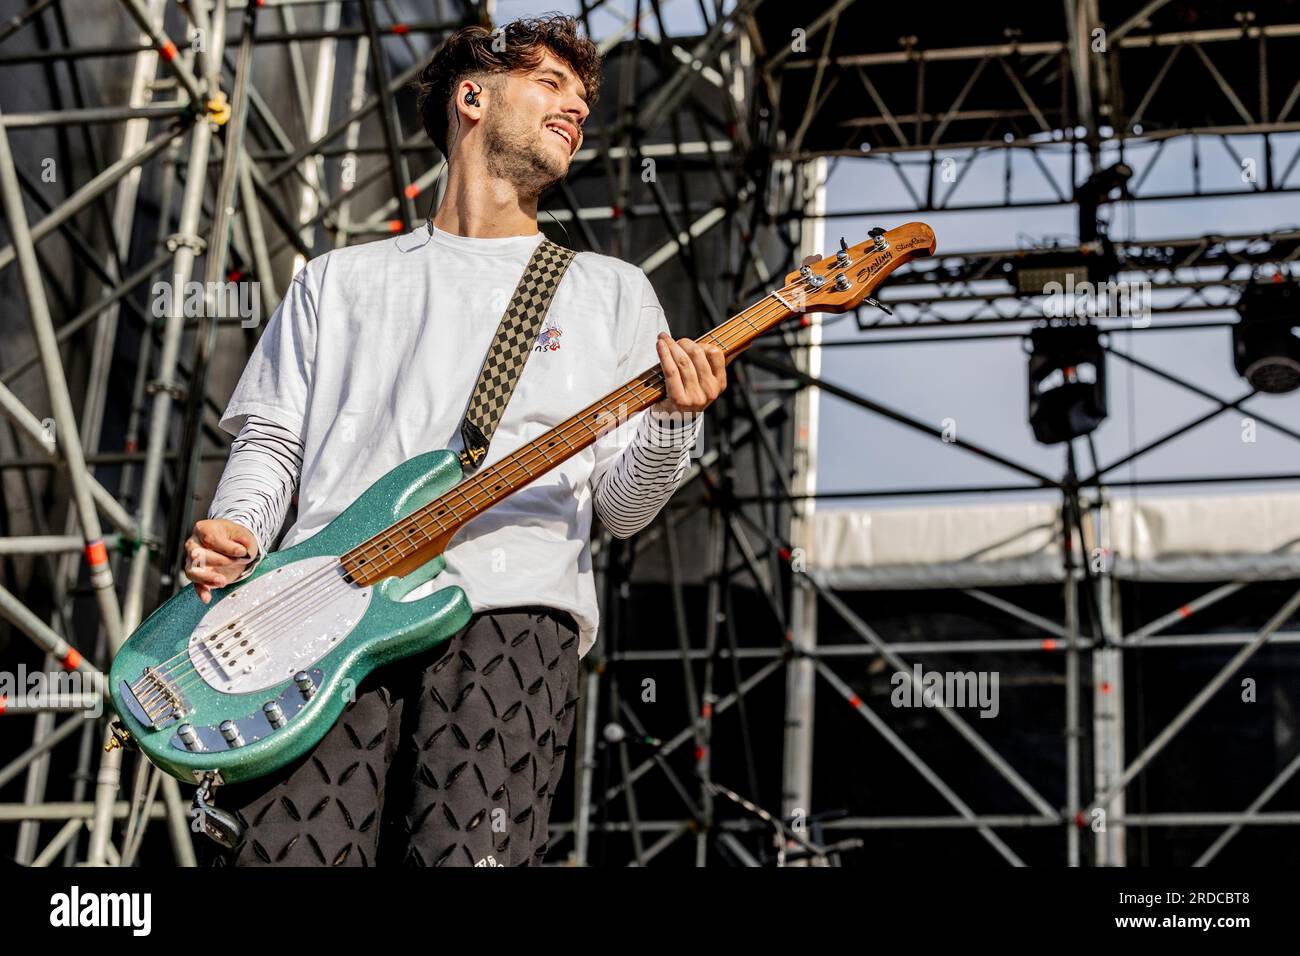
<point>813,279</point>
<point>878,237</point>
<point>842,257</point>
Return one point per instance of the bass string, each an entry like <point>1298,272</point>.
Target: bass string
<point>269,607</point>
<point>511,463</point>
<point>275,611</point>
<point>462,491</point>
<point>522,462</point>
<point>429,525</point>
<point>299,598</point>
<point>271,615</point>
<point>201,672</point>
<point>277,615</point>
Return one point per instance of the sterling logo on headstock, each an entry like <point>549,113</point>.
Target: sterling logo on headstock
<point>876,266</point>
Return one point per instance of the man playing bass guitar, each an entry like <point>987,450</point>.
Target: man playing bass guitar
<point>451,758</point>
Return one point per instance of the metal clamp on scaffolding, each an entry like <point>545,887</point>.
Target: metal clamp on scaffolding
<point>218,108</point>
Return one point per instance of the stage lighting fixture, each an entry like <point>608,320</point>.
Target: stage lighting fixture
<point>1266,339</point>
<point>1095,259</point>
<point>1067,381</point>
<point>1032,271</point>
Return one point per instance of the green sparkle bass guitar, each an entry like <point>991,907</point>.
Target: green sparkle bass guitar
<point>231,690</point>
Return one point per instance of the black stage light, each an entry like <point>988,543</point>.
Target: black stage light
<point>1266,339</point>
<point>1067,381</point>
<point>1034,270</point>
<point>1094,260</point>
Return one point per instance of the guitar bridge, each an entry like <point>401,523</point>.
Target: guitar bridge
<point>154,700</point>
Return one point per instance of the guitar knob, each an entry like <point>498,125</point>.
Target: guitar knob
<point>230,730</point>
<point>305,684</point>
<point>188,737</point>
<point>842,282</point>
<point>273,713</point>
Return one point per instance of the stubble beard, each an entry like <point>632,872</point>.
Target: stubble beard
<point>518,155</point>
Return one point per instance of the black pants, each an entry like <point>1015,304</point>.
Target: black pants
<point>448,758</point>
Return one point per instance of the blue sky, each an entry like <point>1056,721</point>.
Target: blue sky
<point>982,386</point>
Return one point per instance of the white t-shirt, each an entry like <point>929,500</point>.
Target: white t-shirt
<point>371,358</point>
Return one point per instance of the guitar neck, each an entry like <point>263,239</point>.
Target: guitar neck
<point>422,535</point>
<point>833,284</point>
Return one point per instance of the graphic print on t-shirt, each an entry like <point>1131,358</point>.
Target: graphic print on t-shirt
<point>548,340</point>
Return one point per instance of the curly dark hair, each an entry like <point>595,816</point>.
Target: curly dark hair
<point>469,53</point>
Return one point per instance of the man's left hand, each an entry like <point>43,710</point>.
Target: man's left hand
<point>694,374</point>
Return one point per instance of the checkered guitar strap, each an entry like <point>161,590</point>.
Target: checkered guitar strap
<point>510,349</point>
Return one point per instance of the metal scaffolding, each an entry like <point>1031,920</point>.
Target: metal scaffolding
<point>1061,101</point>
<point>254,136</point>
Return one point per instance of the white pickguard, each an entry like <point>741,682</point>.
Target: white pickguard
<point>282,625</point>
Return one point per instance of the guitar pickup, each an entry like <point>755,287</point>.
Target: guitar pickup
<point>232,651</point>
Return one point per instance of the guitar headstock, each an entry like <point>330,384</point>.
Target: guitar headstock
<point>843,281</point>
